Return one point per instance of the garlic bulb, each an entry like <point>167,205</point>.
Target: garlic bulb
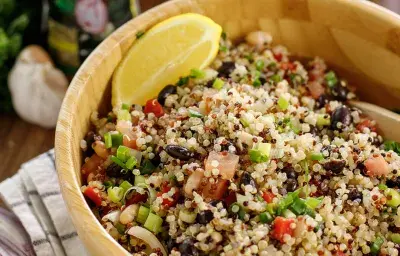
<point>37,87</point>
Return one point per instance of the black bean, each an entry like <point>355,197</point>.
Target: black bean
<point>291,185</point>
<point>246,179</point>
<point>226,69</point>
<point>321,101</point>
<point>340,92</point>
<point>167,90</point>
<point>393,183</point>
<point>186,248</point>
<point>89,138</point>
<point>363,169</point>
<point>341,115</point>
<point>205,217</point>
<point>114,170</point>
<point>179,152</point>
<point>335,166</point>
<point>290,172</point>
<point>170,244</point>
<point>355,195</point>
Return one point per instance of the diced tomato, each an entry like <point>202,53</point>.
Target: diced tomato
<point>340,253</point>
<point>316,89</point>
<point>129,142</point>
<point>376,166</point>
<point>152,106</point>
<point>278,56</point>
<point>165,188</point>
<point>91,166</point>
<point>216,190</point>
<point>366,124</point>
<point>137,198</point>
<point>227,163</point>
<point>268,196</point>
<point>93,195</point>
<point>281,228</point>
<point>288,66</point>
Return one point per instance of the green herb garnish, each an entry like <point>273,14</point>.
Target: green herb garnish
<point>331,79</point>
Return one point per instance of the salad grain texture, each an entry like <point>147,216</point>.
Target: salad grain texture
<point>257,154</point>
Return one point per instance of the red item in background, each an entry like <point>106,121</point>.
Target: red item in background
<point>152,106</point>
<point>281,228</point>
<point>93,195</point>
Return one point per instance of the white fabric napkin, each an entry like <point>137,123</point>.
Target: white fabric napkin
<point>33,194</point>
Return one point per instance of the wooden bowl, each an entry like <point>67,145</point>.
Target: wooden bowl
<point>360,39</point>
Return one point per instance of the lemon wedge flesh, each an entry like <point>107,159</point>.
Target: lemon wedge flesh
<point>162,55</point>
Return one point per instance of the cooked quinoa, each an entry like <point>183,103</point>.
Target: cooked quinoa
<point>256,155</point>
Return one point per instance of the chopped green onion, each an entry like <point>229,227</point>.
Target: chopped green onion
<point>118,161</point>
<point>283,104</point>
<point>125,185</point>
<point>182,81</point>
<point>108,140</point>
<point>139,180</point>
<point>376,245</point>
<point>395,238</point>
<point>257,82</point>
<point>259,65</point>
<point>392,145</point>
<point>317,156</point>
<point>187,216</point>
<point>271,208</point>
<point>382,186</point>
<point>313,202</point>
<point>275,78</point>
<point>117,139</point>
<point>139,34</point>
<point>235,208</point>
<point>123,153</point>
<point>323,120</point>
<point>260,153</point>
<point>223,48</point>
<point>197,73</point>
<point>284,203</point>
<point>153,223</point>
<point>288,214</point>
<point>193,113</point>
<point>298,206</point>
<point>142,214</point>
<point>124,114</point>
<point>115,194</point>
<point>108,184</point>
<point>393,197</point>
<point>272,65</point>
<point>244,122</point>
<point>147,167</point>
<point>120,228</point>
<point>218,84</point>
<point>126,106</point>
<point>266,217</point>
<point>331,79</point>
<point>131,163</point>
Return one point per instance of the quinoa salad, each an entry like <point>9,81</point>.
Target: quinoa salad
<point>257,154</point>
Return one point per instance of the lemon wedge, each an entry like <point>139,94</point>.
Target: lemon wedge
<point>162,55</point>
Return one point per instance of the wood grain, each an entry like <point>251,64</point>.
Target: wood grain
<point>350,34</point>
<point>20,142</point>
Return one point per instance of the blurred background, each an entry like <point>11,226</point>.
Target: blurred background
<point>42,44</point>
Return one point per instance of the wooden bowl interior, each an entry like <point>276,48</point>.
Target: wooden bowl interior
<point>360,39</point>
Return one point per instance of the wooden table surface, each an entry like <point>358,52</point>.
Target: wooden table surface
<point>21,141</point>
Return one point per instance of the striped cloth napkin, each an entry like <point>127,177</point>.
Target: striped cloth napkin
<point>33,195</point>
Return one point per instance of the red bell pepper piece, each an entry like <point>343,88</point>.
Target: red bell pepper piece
<point>281,228</point>
<point>93,195</point>
<point>165,188</point>
<point>268,196</point>
<point>152,106</point>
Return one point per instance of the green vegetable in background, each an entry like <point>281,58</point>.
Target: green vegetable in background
<point>392,145</point>
<point>13,23</point>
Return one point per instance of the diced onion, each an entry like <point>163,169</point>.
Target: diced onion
<point>112,216</point>
<point>147,237</point>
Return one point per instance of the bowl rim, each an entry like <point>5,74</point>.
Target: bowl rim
<point>70,188</point>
